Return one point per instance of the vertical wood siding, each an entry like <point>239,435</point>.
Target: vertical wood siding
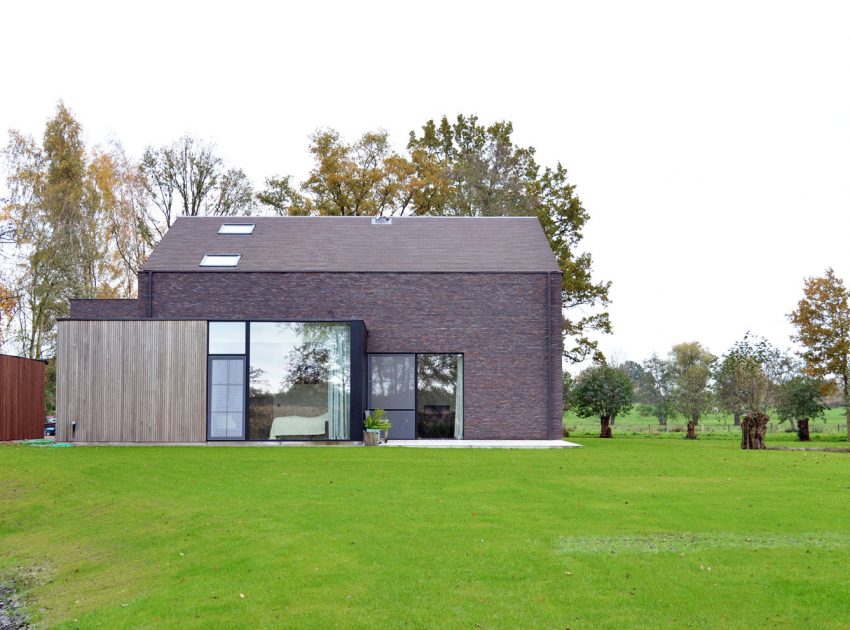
<point>132,381</point>
<point>21,398</point>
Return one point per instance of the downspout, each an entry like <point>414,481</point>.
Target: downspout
<point>150,294</point>
<point>549,354</point>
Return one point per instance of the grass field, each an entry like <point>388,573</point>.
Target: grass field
<point>831,426</point>
<point>621,533</point>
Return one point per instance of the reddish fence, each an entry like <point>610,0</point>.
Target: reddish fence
<point>21,398</point>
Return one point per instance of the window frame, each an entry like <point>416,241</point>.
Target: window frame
<point>357,365</point>
<point>210,359</point>
<point>368,400</point>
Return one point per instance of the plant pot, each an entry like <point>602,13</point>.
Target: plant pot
<point>371,437</point>
<point>385,435</point>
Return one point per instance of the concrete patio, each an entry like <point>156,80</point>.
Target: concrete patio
<point>482,444</point>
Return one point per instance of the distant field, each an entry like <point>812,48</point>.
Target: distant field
<point>831,427</point>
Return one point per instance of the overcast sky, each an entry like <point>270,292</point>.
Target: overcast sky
<point>710,142</point>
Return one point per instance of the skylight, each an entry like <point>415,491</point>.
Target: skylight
<point>220,260</point>
<point>236,228</point>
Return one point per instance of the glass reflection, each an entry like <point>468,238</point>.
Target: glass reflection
<point>299,381</point>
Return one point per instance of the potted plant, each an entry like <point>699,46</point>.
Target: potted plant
<point>374,426</point>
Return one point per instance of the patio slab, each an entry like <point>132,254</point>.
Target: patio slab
<point>482,444</point>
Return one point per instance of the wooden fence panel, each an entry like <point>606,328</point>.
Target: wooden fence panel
<point>132,381</point>
<point>21,398</point>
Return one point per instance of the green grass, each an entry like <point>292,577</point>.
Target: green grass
<point>832,426</point>
<point>621,533</point>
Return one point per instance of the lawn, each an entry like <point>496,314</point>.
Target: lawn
<point>621,533</point>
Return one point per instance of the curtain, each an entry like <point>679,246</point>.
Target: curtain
<point>338,385</point>
<point>459,399</point>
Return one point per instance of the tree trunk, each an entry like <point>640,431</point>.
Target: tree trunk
<point>736,421</point>
<point>753,428</point>
<point>605,421</point>
<point>662,421</point>
<point>692,428</point>
<point>613,420</point>
<point>803,429</point>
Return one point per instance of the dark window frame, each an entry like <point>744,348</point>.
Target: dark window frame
<point>415,409</point>
<point>357,394</point>
<point>210,359</point>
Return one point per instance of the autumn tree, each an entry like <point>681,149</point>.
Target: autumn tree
<point>800,399</point>
<point>656,389</point>
<point>456,168</point>
<point>822,320</point>
<point>692,373</point>
<point>54,217</point>
<point>187,178</point>
<point>602,391</point>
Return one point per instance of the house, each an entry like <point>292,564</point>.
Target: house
<point>21,398</point>
<point>290,328</point>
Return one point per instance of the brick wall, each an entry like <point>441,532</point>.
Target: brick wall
<point>107,309</point>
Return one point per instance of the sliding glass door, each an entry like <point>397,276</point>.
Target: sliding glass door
<point>422,394</point>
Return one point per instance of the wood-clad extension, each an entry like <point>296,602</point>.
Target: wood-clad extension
<point>21,398</point>
<point>131,381</point>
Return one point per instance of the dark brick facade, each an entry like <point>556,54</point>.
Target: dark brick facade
<point>106,309</point>
<point>497,320</point>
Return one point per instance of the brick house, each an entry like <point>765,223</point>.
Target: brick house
<point>291,328</point>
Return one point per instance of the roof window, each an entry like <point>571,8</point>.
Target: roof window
<point>220,260</point>
<point>236,228</point>
<point>382,220</point>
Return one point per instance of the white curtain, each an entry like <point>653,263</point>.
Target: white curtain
<point>338,386</point>
<point>459,399</point>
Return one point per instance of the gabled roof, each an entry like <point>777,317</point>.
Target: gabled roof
<point>407,244</point>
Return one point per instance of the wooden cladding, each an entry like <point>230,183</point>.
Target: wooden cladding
<point>21,398</point>
<point>131,381</point>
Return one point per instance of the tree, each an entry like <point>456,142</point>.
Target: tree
<point>54,216</point>
<point>186,178</point>
<point>656,389</point>
<point>822,320</point>
<point>692,372</point>
<point>748,379</point>
<point>800,398</point>
<point>127,221</point>
<point>459,168</point>
<point>569,383</point>
<point>602,391</point>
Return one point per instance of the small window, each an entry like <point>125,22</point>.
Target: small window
<point>236,228</point>
<point>227,338</point>
<point>220,260</point>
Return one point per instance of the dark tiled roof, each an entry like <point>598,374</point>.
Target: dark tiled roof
<point>409,244</point>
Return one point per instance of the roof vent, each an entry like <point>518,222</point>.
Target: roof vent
<point>382,220</point>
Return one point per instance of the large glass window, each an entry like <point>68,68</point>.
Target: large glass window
<point>439,396</point>
<point>299,381</point>
<point>422,394</point>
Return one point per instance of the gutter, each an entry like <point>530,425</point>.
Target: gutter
<point>549,354</point>
<point>150,294</point>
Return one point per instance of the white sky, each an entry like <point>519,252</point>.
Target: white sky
<point>709,141</point>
